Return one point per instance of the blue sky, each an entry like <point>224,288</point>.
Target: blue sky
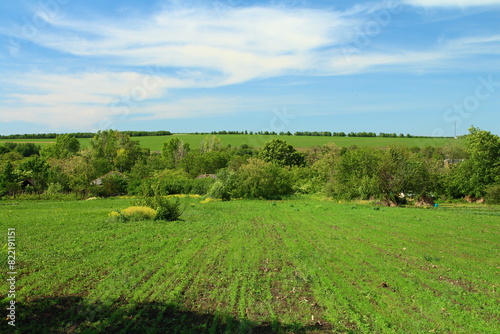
<point>404,66</point>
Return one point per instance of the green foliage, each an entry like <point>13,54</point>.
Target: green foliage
<point>403,172</point>
<point>133,213</point>
<point>210,144</point>
<point>354,174</point>
<point>482,167</point>
<point>196,163</point>
<point>167,209</point>
<point>219,190</point>
<point>36,169</point>
<point>112,149</point>
<point>306,180</point>
<point>27,149</point>
<point>54,188</point>
<point>364,173</point>
<point>281,153</point>
<point>493,194</point>
<point>111,184</point>
<point>65,146</point>
<point>260,179</point>
<point>9,180</point>
<point>172,181</point>
<point>174,150</point>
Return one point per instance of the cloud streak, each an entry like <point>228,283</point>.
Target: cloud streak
<point>452,3</point>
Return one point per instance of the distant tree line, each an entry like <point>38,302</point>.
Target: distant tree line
<point>315,134</point>
<point>83,135</point>
<point>222,132</point>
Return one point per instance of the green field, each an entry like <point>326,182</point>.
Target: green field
<point>304,265</point>
<point>155,142</point>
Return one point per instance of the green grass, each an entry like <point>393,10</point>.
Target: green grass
<point>155,142</point>
<point>303,265</point>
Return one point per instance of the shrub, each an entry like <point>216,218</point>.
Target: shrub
<point>170,182</point>
<point>167,209</point>
<point>139,213</point>
<point>112,184</point>
<point>54,188</point>
<point>133,213</point>
<point>260,179</point>
<point>219,190</point>
<point>493,194</point>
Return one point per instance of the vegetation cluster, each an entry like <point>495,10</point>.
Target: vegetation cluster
<point>114,164</point>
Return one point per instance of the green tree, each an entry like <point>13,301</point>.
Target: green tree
<point>481,169</point>
<point>65,146</point>
<point>79,170</point>
<point>112,149</point>
<point>210,144</point>
<point>9,180</point>
<point>404,172</point>
<point>27,149</point>
<point>174,150</point>
<point>279,152</point>
<point>36,169</point>
<point>196,163</point>
<point>260,179</point>
<point>354,173</point>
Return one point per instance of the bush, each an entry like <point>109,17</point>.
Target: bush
<point>54,188</point>
<point>112,184</point>
<point>139,213</point>
<point>493,194</point>
<point>219,190</point>
<point>170,182</point>
<point>260,179</point>
<point>167,209</point>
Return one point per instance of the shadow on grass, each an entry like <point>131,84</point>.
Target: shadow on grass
<point>71,314</point>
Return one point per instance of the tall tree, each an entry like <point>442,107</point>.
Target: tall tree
<point>210,143</point>
<point>112,149</point>
<point>174,150</point>
<point>281,153</point>
<point>482,167</point>
<point>65,146</point>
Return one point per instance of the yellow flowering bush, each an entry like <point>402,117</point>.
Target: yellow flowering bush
<point>133,213</point>
<point>139,213</point>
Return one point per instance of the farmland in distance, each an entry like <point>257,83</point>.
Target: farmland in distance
<point>257,141</point>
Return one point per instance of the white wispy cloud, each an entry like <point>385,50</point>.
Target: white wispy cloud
<point>244,44</point>
<point>202,48</point>
<point>452,3</point>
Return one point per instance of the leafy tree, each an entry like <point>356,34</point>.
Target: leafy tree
<point>210,144</point>
<point>260,179</point>
<point>196,163</point>
<point>277,151</point>
<point>482,167</point>
<point>455,149</point>
<point>79,170</point>
<point>112,184</point>
<point>9,180</point>
<point>27,149</point>
<point>174,150</point>
<point>112,149</point>
<point>404,172</point>
<point>65,146</point>
<point>354,174</point>
<point>37,169</point>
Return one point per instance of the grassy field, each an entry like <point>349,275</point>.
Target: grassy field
<point>303,265</point>
<point>155,142</point>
